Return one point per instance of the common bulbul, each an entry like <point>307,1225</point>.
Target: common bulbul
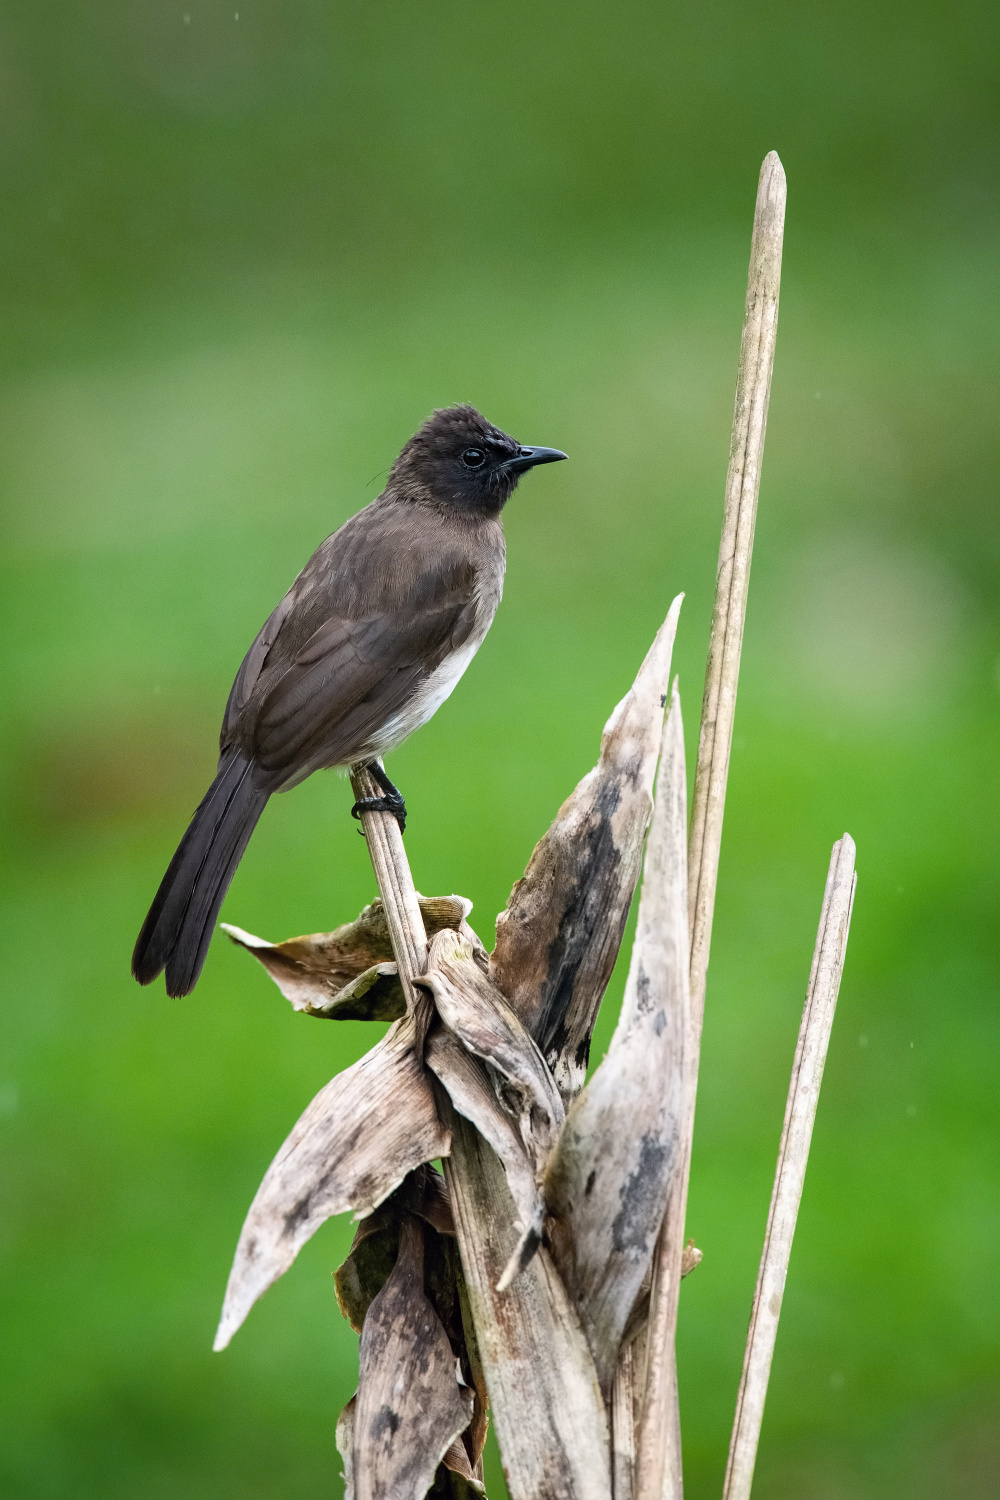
<point>368,642</point>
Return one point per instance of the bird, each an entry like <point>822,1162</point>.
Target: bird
<point>367,644</point>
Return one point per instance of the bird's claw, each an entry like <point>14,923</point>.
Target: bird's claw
<point>389,804</point>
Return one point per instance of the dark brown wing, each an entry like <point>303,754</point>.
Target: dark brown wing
<point>354,676</point>
<point>250,670</point>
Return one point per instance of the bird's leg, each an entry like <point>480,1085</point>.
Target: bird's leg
<point>392,802</point>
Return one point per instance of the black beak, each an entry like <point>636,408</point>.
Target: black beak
<point>527,458</point>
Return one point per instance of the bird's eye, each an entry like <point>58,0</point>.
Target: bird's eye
<point>473,458</point>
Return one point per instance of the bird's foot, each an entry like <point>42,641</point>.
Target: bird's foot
<point>392,802</point>
<point>394,805</point>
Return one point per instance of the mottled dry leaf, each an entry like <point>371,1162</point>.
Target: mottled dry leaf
<point>559,937</point>
<point>350,973</point>
<point>345,1445</point>
<point>547,1406</point>
<point>607,1181</point>
<point>355,1143</point>
<point>376,995</point>
<point>476,1012</point>
<point>376,1240</point>
<point>368,1267</point>
<point>472,1094</point>
<point>410,1407</point>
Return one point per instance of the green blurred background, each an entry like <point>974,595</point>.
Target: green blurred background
<point>244,249</point>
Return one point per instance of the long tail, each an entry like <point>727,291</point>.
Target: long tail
<point>178,929</point>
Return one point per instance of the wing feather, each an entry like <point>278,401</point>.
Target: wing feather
<point>375,610</point>
<point>353,676</point>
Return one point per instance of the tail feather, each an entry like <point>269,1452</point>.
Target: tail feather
<point>178,929</point>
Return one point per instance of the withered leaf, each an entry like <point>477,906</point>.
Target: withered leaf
<point>476,1012</point>
<point>345,1445</point>
<point>354,1144</point>
<point>547,1406</point>
<point>350,973</point>
<point>368,1267</point>
<point>410,1407</point>
<point>469,1088</point>
<point>607,1181</point>
<point>559,936</point>
<point>376,1243</point>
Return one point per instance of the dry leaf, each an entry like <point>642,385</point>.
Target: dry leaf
<point>559,937</point>
<point>691,1257</point>
<point>547,1406</point>
<point>477,1013</point>
<point>352,1147</point>
<point>345,1445</point>
<point>369,1266</point>
<point>410,1407</point>
<point>607,1182</point>
<point>350,973</point>
<point>376,1240</point>
<point>470,1091</point>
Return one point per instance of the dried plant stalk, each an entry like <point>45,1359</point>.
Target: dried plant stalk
<point>661,1478</point>
<point>546,1401</point>
<point>793,1154</point>
<point>392,871</point>
<point>746,453</point>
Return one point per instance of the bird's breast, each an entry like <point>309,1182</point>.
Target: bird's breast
<point>433,689</point>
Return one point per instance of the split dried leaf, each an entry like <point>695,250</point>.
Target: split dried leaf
<point>355,1143</point>
<point>469,1088</point>
<point>475,1011</point>
<point>607,1182</point>
<point>376,1240</point>
<point>559,936</point>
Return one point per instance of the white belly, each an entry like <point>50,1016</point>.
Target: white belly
<point>426,701</point>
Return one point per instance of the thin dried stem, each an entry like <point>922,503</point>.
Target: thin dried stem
<point>753,389</point>
<point>793,1154</point>
<point>746,453</point>
<point>395,883</point>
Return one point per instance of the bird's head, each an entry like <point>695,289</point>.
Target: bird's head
<point>459,459</point>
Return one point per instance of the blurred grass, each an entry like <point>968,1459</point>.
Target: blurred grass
<point>240,262</point>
